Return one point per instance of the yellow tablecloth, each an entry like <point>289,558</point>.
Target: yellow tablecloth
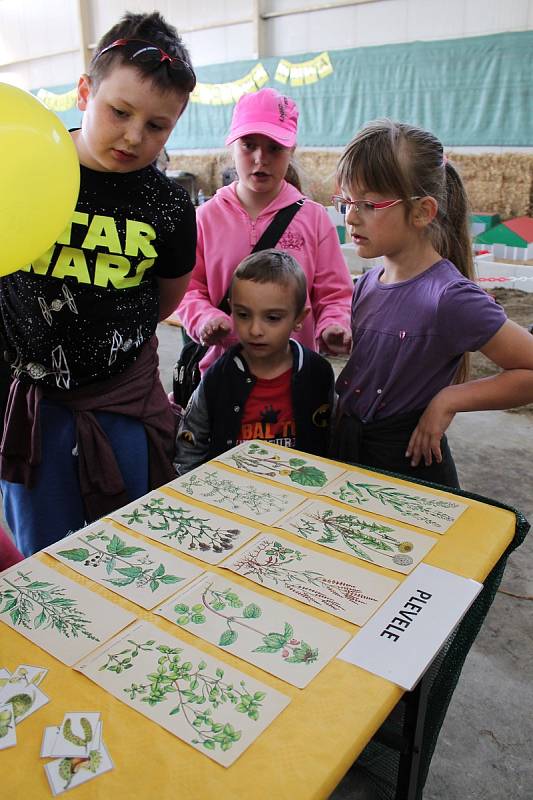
<point>304,753</point>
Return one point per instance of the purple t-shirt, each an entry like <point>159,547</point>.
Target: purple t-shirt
<point>409,337</point>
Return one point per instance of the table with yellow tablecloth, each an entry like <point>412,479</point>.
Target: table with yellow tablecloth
<point>302,755</point>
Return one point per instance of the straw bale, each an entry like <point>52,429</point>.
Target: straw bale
<point>499,183</point>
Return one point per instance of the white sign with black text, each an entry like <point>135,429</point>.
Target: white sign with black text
<point>406,633</point>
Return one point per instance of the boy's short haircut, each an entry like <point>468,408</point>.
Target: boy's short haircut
<point>274,266</point>
<point>149,29</point>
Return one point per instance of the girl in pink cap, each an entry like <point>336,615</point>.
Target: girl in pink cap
<point>263,137</point>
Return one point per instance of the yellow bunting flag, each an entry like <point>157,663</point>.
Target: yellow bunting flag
<point>217,94</point>
<point>58,102</point>
<point>305,72</point>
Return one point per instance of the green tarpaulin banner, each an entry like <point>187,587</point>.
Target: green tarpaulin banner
<point>470,92</point>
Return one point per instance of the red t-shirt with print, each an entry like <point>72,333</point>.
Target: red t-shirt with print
<point>268,412</point>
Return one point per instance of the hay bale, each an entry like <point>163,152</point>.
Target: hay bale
<point>499,183</point>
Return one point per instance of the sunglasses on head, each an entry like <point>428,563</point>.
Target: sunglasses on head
<point>144,52</point>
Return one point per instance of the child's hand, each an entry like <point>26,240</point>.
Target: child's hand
<point>337,339</point>
<point>425,439</point>
<point>215,331</point>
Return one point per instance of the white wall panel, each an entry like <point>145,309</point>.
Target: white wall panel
<point>443,20</point>
<point>31,29</point>
<point>382,23</point>
<point>490,16</point>
<point>37,28</point>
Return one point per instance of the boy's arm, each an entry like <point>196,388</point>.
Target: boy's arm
<point>194,433</point>
<point>171,291</point>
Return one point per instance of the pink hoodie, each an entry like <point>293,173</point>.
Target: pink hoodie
<point>226,235</point>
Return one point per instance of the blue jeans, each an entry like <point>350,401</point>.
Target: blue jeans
<point>53,507</point>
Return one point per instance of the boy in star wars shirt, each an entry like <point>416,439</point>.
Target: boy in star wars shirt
<point>268,386</point>
<point>88,426</point>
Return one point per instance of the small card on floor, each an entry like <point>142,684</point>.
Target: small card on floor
<point>49,737</point>
<point>8,735</point>
<point>29,675</point>
<point>23,699</point>
<point>79,733</point>
<point>67,773</point>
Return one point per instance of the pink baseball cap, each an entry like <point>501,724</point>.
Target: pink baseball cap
<point>267,112</point>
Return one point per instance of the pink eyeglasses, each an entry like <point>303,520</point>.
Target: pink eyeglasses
<point>343,205</point>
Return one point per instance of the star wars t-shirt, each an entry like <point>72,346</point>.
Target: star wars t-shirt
<point>268,413</point>
<point>80,312</point>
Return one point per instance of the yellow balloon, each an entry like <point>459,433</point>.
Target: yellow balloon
<point>39,178</point>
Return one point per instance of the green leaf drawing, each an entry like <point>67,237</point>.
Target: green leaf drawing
<point>41,604</point>
<point>297,462</point>
<point>131,572</point>
<point>78,554</point>
<point>309,476</point>
<point>198,694</point>
<point>252,611</point>
<point>228,638</point>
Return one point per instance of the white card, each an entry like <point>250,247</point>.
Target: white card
<point>29,674</point>
<point>79,733</point>
<point>344,590</point>
<point>48,741</point>
<point>282,465</point>
<point>215,708</point>
<point>8,734</point>
<point>67,773</point>
<point>250,498</point>
<point>410,504</point>
<point>407,632</point>
<point>359,535</point>
<point>24,699</point>
<point>55,613</point>
<point>5,675</point>
<point>269,634</point>
<point>187,528</point>
<point>132,568</point>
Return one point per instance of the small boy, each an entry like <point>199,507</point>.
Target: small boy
<point>269,386</point>
<point>88,425</point>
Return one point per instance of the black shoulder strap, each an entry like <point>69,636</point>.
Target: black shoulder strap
<point>278,226</point>
<point>270,238</point>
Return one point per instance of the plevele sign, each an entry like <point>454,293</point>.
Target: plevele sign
<point>402,638</point>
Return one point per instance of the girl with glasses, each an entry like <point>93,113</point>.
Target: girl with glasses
<point>417,315</point>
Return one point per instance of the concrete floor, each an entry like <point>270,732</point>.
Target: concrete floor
<point>484,748</point>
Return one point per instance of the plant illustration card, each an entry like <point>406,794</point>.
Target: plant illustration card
<point>409,629</point>
<point>404,503</point>
<point>358,535</point>
<point>23,699</point>
<point>67,773</point>
<point>341,589</point>
<point>138,571</point>
<point>281,464</point>
<point>216,709</point>
<point>79,733</point>
<point>55,613</point>
<point>28,674</point>
<point>187,528</point>
<point>273,636</point>
<point>8,734</point>
<point>245,496</point>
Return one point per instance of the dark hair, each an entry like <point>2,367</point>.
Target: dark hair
<point>274,266</point>
<point>404,161</point>
<point>150,28</point>
<point>292,176</point>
